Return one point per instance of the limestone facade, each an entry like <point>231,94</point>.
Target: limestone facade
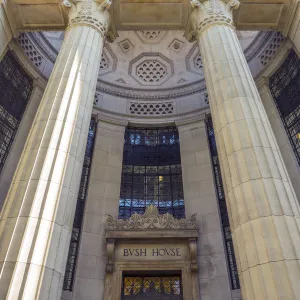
<point>150,78</point>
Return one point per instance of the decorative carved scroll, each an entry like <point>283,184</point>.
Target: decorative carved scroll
<point>151,219</point>
<point>110,248</point>
<point>193,254</point>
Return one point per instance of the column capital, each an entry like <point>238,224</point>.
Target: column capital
<point>208,13</point>
<point>93,13</point>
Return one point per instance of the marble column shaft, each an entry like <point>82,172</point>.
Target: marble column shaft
<point>37,217</point>
<point>6,33</point>
<point>263,209</point>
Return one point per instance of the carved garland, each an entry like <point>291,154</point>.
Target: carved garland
<point>151,219</point>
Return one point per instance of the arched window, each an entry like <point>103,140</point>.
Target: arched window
<point>151,172</point>
<point>285,89</point>
<point>15,90</point>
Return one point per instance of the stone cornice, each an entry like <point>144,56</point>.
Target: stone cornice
<point>150,94</point>
<point>275,63</point>
<point>123,119</point>
<point>258,44</point>
<point>27,64</point>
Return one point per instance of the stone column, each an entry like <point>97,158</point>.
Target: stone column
<point>36,220</point>
<point>6,33</point>
<point>263,208</point>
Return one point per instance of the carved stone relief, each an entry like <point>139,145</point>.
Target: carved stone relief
<point>108,61</point>
<point>151,219</point>
<point>151,36</point>
<point>193,61</point>
<point>126,45</point>
<point>151,69</point>
<point>30,49</point>
<point>151,108</point>
<point>152,242</point>
<point>176,45</point>
<point>271,49</point>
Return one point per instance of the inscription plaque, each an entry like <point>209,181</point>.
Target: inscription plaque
<point>125,252</point>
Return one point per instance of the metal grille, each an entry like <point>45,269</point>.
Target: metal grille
<point>76,231</point>
<point>151,172</point>
<point>285,89</point>
<point>235,284</point>
<point>15,90</point>
<point>152,287</point>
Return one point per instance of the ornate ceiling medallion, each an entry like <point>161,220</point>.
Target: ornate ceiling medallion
<point>151,69</point>
<point>126,45</point>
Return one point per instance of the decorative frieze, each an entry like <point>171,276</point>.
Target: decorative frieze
<point>30,49</point>
<point>151,108</point>
<point>151,36</point>
<point>151,219</point>
<point>271,49</point>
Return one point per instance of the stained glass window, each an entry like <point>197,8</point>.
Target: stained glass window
<point>15,90</point>
<point>285,89</point>
<point>151,172</point>
<point>156,287</point>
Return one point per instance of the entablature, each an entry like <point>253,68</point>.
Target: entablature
<point>44,15</point>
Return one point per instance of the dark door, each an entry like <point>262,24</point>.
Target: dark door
<point>152,287</point>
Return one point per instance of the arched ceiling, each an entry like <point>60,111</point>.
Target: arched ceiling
<point>149,64</point>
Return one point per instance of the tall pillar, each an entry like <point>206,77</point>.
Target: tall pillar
<point>36,220</point>
<point>6,33</point>
<point>264,212</point>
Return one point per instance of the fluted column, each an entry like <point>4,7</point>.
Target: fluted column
<point>6,33</point>
<point>264,212</point>
<point>37,217</point>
